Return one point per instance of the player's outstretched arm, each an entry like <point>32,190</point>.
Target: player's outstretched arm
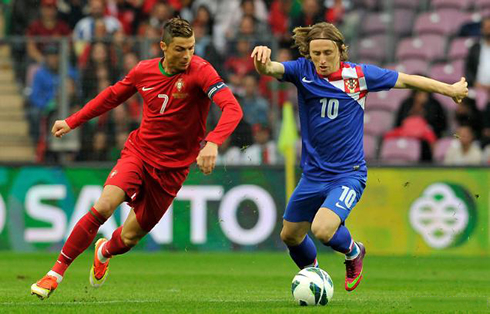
<point>60,128</point>
<point>456,91</point>
<point>106,100</point>
<point>263,63</point>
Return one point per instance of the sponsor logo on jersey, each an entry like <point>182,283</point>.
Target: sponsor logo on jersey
<point>179,85</point>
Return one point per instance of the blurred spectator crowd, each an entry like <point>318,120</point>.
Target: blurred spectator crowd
<point>443,39</point>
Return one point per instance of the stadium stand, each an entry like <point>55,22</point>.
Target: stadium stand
<point>377,122</point>
<point>447,72</point>
<point>459,47</point>
<point>370,147</point>
<point>413,5</point>
<point>400,151</point>
<point>373,48</point>
<point>425,47</point>
<point>384,100</point>
<point>427,37</point>
<point>440,149</point>
<point>14,134</point>
<point>482,5</point>
<point>403,21</point>
<point>460,5</point>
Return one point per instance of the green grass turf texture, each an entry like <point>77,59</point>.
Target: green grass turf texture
<point>192,282</point>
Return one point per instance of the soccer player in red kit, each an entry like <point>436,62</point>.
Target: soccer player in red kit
<point>177,91</point>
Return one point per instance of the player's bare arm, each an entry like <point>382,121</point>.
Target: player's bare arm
<point>263,63</point>
<point>456,91</point>
<point>206,160</point>
<point>60,128</point>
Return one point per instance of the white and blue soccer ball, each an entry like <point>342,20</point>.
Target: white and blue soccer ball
<point>312,286</point>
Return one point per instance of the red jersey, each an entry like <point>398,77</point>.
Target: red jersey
<point>174,112</point>
<point>37,28</point>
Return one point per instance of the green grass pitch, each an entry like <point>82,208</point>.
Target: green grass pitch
<point>191,282</point>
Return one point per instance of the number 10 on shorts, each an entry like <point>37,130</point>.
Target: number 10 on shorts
<point>348,196</point>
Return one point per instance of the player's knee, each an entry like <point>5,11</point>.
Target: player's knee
<point>323,233</point>
<point>130,239</point>
<point>290,239</point>
<point>105,207</point>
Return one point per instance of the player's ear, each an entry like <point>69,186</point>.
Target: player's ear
<point>163,46</point>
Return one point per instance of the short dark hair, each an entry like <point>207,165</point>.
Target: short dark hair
<point>176,27</point>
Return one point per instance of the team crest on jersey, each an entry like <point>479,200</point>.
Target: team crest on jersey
<point>179,85</point>
<point>352,85</point>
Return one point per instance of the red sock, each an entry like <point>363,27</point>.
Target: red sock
<point>115,245</point>
<point>79,240</point>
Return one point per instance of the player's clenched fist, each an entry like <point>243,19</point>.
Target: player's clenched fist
<point>206,160</point>
<point>60,128</point>
<point>460,90</point>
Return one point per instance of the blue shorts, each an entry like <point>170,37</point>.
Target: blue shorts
<point>339,195</point>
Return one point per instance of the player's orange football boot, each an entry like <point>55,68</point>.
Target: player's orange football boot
<point>353,269</point>
<point>44,287</point>
<point>99,270</point>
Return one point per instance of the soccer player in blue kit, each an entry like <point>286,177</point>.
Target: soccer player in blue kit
<point>331,96</point>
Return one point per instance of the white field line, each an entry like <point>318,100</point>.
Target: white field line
<point>41,302</point>
<point>48,303</point>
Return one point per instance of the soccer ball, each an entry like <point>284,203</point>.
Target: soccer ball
<point>312,286</point>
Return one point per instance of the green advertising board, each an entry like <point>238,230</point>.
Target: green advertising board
<point>417,211</point>
<point>425,211</point>
<point>235,208</point>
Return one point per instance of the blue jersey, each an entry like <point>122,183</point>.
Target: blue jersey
<point>331,111</point>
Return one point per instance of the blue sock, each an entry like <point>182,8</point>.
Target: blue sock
<point>304,255</point>
<point>341,240</point>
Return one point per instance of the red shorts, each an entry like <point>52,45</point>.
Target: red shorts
<point>149,191</point>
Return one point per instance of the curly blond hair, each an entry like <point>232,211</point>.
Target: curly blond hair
<point>302,37</point>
